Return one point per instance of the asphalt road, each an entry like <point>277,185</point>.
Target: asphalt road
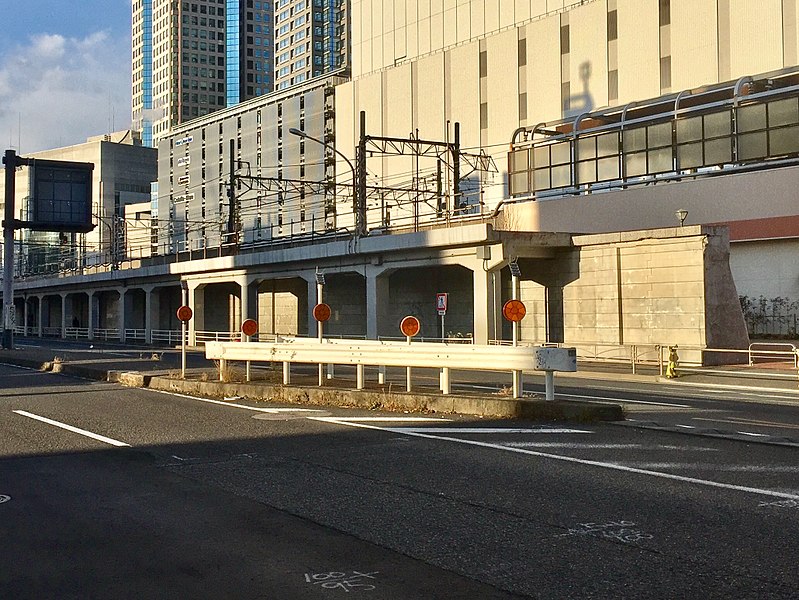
<point>153,495</point>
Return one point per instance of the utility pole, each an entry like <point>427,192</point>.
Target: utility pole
<point>456,167</point>
<point>10,161</point>
<point>232,220</point>
<point>360,172</point>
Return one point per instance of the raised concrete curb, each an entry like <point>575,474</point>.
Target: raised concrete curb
<point>525,408</point>
<point>493,406</point>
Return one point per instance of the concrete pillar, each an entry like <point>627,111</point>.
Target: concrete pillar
<point>63,315</point>
<point>487,299</point>
<point>40,308</point>
<point>249,300</point>
<point>92,314</point>
<point>151,308</point>
<point>377,301</point>
<point>122,310</point>
<point>312,301</point>
<point>197,305</point>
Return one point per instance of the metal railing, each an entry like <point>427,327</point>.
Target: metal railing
<point>774,351</point>
<point>360,353</point>
<point>169,337</point>
<point>201,337</point>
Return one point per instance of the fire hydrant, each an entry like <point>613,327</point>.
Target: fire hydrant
<point>671,368</point>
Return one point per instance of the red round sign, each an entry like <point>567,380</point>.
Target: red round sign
<point>514,310</point>
<point>321,312</point>
<point>249,327</point>
<point>184,313</point>
<point>410,326</point>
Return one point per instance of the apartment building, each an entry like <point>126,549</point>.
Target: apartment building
<point>311,39</point>
<point>190,59</point>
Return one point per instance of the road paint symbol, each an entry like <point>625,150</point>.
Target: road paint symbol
<point>4,498</point>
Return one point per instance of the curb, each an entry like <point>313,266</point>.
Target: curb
<point>584,412</point>
<point>510,408</point>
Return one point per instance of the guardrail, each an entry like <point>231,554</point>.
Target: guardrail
<point>762,350</point>
<point>398,354</point>
<point>106,334</point>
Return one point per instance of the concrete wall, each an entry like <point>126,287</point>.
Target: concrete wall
<point>670,288</point>
<point>282,307</point>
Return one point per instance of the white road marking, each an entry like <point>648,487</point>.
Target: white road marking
<point>609,399</point>
<point>590,446</point>
<point>749,433</point>
<point>717,467</point>
<point>19,367</point>
<point>390,419</point>
<point>686,426</point>
<point>483,430</point>
<point>571,459</point>
<point>242,406</point>
<point>95,436</point>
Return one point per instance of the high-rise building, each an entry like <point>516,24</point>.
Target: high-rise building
<point>311,39</point>
<point>192,58</point>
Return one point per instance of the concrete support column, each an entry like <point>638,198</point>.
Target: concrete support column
<point>197,305</point>
<point>312,300</point>
<point>40,310</point>
<point>92,314</point>
<point>249,300</point>
<point>63,315</point>
<point>122,306</point>
<point>487,299</point>
<point>151,310</point>
<point>377,301</point>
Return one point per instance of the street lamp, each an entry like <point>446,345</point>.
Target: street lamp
<point>301,134</point>
<point>681,215</point>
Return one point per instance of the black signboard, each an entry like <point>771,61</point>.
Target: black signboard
<point>61,198</point>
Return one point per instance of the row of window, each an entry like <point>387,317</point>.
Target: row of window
<point>750,133</point>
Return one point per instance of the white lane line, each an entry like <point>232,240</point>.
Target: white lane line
<point>753,434</point>
<point>241,406</point>
<point>607,446</point>
<point>571,459</point>
<point>609,399</point>
<point>686,426</point>
<point>483,430</point>
<point>95,436</point>
<point>717,467</point>
<point>394,419</point>
<point>19,367</point>
<point>598,399</point>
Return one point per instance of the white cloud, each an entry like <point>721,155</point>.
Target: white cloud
<point>63,90</point>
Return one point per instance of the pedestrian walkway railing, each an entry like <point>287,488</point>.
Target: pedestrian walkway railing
<point>168,337</point>
<point>135,335</point>
<point>361,353</point>
<point>773,351</point>
<point>106,334</point>
<point>202,337</point>
<point>76,333</point>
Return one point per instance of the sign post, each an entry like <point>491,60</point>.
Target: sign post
<point>410,327</point>
<point>184,315</point>
<point>442,300</point>
<point>321,312</point>
<point>249,328</point>
<point>514,311</point>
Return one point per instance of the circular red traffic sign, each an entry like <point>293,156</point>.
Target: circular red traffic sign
<point>410,326</point>
<point>184,313</point>
<point>321,312</point>
<point>514,310</point>
<point>249,327</point>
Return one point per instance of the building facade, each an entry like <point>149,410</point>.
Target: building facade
<point>123,170</point>
<point>311,39</point>
<point>193,58</point>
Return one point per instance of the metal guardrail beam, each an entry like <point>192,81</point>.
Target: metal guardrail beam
<point>398,354</point>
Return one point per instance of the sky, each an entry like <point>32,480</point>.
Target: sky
<point>64,71</point>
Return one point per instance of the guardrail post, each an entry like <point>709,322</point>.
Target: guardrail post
<point>359,377</point>
<point>445,384</point>
<point>381,375</point>
<point>222,369</point>
<point>550,385</point>
<point>517,384</point>
<point>286,373</point>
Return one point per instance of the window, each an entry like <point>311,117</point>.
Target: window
<point>613,26</point>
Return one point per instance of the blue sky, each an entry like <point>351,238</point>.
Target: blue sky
<point>64,73</point>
